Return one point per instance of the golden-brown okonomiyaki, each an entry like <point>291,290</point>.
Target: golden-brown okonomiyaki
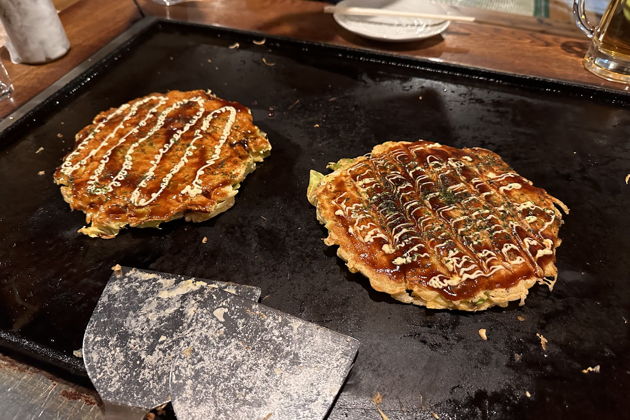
<point>159,158</point>
<point>438,226</point>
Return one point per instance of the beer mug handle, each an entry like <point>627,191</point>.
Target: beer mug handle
<point>579,12</point>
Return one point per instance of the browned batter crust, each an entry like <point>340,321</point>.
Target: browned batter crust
<point>158,158</point>
<point>438,226</point>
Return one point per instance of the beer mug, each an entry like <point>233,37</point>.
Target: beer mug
<point>609,53</point>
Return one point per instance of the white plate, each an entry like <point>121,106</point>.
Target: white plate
<point>387,28</point>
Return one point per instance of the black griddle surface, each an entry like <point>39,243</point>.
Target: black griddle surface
<point>319,104</point>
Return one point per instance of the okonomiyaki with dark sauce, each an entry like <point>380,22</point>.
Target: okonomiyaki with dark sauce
<point>439,226</point>
<point>159,158</point>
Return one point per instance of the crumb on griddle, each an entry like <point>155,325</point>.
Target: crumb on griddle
<point>41,149</point>
<point>261,42</point>
<point>234,46</point>
<point>59,135</point>
<point>267,62</point>
<point>377,399</point>
<point>520,318</point>
<point>527,394</point>
<point>40,173</point>
<point>209,60</point>
<point>482,334</point>
<point>316,125</point>
<point>297,101</point>
<point>435,415</point>
<point>204,240</point>
<point>543,341</point>
<point>78,353</point>
<point>627,178</point>
<point>589,369</point>
<point>517,357</point>
<point>117,269</point>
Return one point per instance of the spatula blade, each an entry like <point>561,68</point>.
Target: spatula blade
<point>248,361</point>
<point>128,342</point>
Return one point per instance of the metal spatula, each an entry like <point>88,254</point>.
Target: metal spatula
<point>128,343</point>
<point>245,360</point>
<point>228,357</point>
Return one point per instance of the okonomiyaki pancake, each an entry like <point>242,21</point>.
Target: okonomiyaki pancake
<point>159,158</point>
<point>437,226</point>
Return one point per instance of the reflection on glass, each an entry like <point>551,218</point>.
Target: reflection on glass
<point>609,53</point>
<point>6,87</point>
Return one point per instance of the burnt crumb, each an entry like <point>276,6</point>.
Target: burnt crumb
<point>543,341</point>
<point>483,334</point>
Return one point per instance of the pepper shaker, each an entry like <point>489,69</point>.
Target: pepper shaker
<point>34,31</point>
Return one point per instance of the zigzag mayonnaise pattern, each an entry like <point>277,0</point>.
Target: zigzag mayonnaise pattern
<point>426,208</point>
<point>158,118</point>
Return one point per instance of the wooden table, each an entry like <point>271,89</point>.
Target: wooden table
<point>505,43</point>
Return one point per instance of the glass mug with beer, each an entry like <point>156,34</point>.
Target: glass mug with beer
<point>609,53</point>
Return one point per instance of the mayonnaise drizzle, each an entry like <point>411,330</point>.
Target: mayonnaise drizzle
<point>401,226</point>
<point>67,168</point>
<point>135,195</point>
<point>195,188</point>
<point>128,111</point>
<point>92,188</point>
